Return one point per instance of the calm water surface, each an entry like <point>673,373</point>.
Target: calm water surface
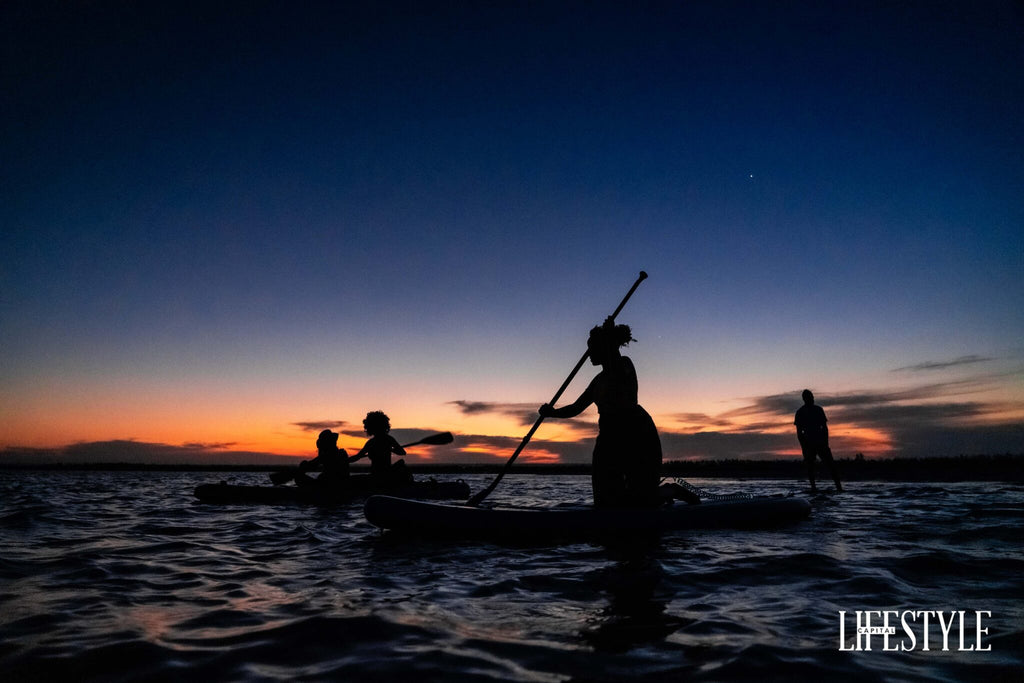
<point>121,576</point>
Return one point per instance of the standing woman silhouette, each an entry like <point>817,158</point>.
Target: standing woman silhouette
<point>627,454</point>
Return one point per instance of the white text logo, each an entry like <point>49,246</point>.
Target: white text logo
<point>919,629</point>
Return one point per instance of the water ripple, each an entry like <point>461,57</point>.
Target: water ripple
<point>120,576</point>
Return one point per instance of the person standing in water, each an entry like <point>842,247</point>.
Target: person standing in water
<point>333,462</point>
<point>812,432</point>
<point>379,449</point>
<point>627,454</point>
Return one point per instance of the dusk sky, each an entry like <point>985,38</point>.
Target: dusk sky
<point>226,226</point>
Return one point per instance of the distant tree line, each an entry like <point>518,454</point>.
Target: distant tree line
<point>1005,467</point>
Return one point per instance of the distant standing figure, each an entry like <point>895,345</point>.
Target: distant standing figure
<point>627,455</point>
<point>333,462</point>
<point>379,449</point>
<point>812,431</point>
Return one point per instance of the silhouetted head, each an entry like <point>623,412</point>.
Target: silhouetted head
<point>327,439</point>
<point>376,423</point>
<point>605,341</point>
<point>808,397</point>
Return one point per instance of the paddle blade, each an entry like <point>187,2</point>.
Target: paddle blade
<point>438,439</point>
<point>433,440</point>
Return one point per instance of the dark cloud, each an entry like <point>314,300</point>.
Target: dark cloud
<point>523,413</point>
<point>690,417</point>
<point>931,440</point>
<point>502,448</point>
<point>940,418</point>
<point>216,446</point>
<point>774,404</point>
<point>924,392</point>
<point>479,407</point>
<point>142,453</point>
<point>940,365</point>
<point>759,427</point>
<point>784,406</point>
<point>319,425</point>
<point>699,421</point>
<point>894,415</point>
<point>719,445</point>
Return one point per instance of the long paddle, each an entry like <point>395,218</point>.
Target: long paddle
<point>284,476</point>
<point>476,499</point>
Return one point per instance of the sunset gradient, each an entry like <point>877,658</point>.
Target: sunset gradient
<point>226,227</point>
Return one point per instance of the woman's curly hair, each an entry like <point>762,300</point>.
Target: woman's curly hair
<point>612,335</point>
<point>376,423</point>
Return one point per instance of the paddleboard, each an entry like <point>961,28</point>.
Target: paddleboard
<point>425,518</point>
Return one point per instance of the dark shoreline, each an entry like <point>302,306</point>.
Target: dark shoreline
<point>1009,468</point>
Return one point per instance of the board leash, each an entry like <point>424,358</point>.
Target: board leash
<point>702,493</point>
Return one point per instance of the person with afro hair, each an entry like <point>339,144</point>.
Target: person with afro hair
<point>379,449</point>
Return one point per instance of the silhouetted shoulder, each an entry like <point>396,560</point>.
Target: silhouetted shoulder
<point>810,415</point>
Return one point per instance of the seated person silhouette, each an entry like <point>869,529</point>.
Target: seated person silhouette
<point>812,432</point>
<point>330,460</point>
<point>379,449</point>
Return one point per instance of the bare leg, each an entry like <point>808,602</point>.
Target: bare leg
<point>832,467</point>
<point>810,471</point>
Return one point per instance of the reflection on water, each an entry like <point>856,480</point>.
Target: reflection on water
<point>638,596</point>
<point>121,575</point>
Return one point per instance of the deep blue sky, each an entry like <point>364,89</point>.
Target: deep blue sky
<point>417,203</point>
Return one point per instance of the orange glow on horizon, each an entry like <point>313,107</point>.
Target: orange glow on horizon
<point>56,412</point>
<point>497,454</point>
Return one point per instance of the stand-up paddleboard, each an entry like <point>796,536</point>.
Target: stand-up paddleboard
<point>424,518</point>
<point>359,487</point>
